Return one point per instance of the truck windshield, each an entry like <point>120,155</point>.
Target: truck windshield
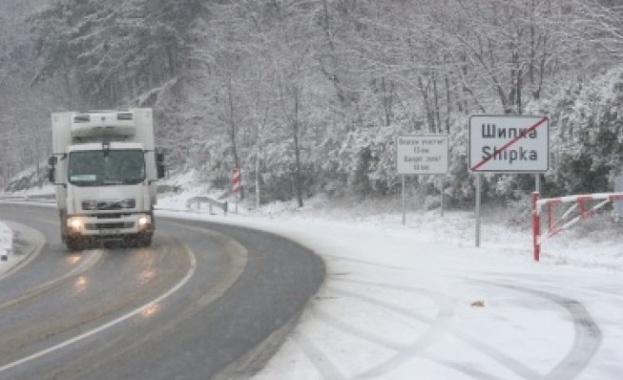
<point>109,167</point>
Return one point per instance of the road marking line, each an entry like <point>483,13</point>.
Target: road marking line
<point>182,282</point>
<point>35,251</point>
<point>83,266</point>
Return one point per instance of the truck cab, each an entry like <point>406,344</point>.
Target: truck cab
<point>105,168</point>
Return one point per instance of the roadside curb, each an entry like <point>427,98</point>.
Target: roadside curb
<point>26,245</point>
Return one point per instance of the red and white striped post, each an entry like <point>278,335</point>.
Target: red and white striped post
<point>235,180</point>
<point>235,184</point>
<point>536,225</point>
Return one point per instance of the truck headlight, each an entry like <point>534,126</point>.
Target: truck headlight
<point>75,224</point>
<point>143,221</point>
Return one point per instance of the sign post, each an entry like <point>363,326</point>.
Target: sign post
<point>507,144</point>
<point>421,155</point>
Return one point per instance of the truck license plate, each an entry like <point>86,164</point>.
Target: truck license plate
<point>110,232</point>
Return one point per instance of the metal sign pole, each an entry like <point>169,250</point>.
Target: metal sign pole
<point>478,210</point>
<point>420,154</point>
<point>442,207</point>
<point>404,215</point>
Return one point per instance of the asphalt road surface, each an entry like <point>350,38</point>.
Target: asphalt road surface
<point>205,301</point>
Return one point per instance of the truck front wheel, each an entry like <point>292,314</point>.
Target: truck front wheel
<point>140,240</point>
<point>145,240</point>
<point>74,243</point>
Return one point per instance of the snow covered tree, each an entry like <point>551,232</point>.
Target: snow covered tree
<point>112,51</point>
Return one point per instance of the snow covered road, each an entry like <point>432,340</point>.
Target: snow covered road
<point>396,306</point>
<point>420,301</point>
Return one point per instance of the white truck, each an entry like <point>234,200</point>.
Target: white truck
<point>105,168</point>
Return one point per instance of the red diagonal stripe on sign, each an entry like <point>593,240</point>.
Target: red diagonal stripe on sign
<point>505,146</point>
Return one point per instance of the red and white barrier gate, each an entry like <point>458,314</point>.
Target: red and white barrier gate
<point>554,227</point>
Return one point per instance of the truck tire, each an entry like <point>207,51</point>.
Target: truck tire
<point>145,241</point>
<point>74,244</point>
<point>139,241</point>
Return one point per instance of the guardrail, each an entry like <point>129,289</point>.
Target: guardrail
<point>45,198</point>
<point>198,201</point>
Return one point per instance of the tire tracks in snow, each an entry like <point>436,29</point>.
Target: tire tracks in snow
<point>586,342</point>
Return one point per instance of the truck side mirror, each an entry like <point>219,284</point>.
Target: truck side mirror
<point>160,165</point>
<point>52,174</point>
<point>51,169</point>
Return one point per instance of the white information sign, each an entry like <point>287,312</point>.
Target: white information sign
<point>422,154</point>
<point>502,143</point>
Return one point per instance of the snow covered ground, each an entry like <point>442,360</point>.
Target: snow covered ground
<point>421,301</point>
<point>6,240</point>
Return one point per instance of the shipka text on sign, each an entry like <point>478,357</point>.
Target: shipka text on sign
<point>490,131</point>
<point>509,143</point>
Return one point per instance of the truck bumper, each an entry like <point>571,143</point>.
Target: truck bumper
<point>109,226</point>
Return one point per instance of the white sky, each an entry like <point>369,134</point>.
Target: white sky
<point>421,301</point>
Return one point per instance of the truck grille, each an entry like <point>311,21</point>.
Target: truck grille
<point>108,226</point>
<point>108,204</point>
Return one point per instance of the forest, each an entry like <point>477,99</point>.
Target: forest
<point>307,97</point>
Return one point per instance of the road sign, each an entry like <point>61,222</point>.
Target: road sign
<point>422,154</point>
<point>502,143</point>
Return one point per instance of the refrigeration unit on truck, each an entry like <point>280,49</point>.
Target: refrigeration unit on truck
<point>105,168</point>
